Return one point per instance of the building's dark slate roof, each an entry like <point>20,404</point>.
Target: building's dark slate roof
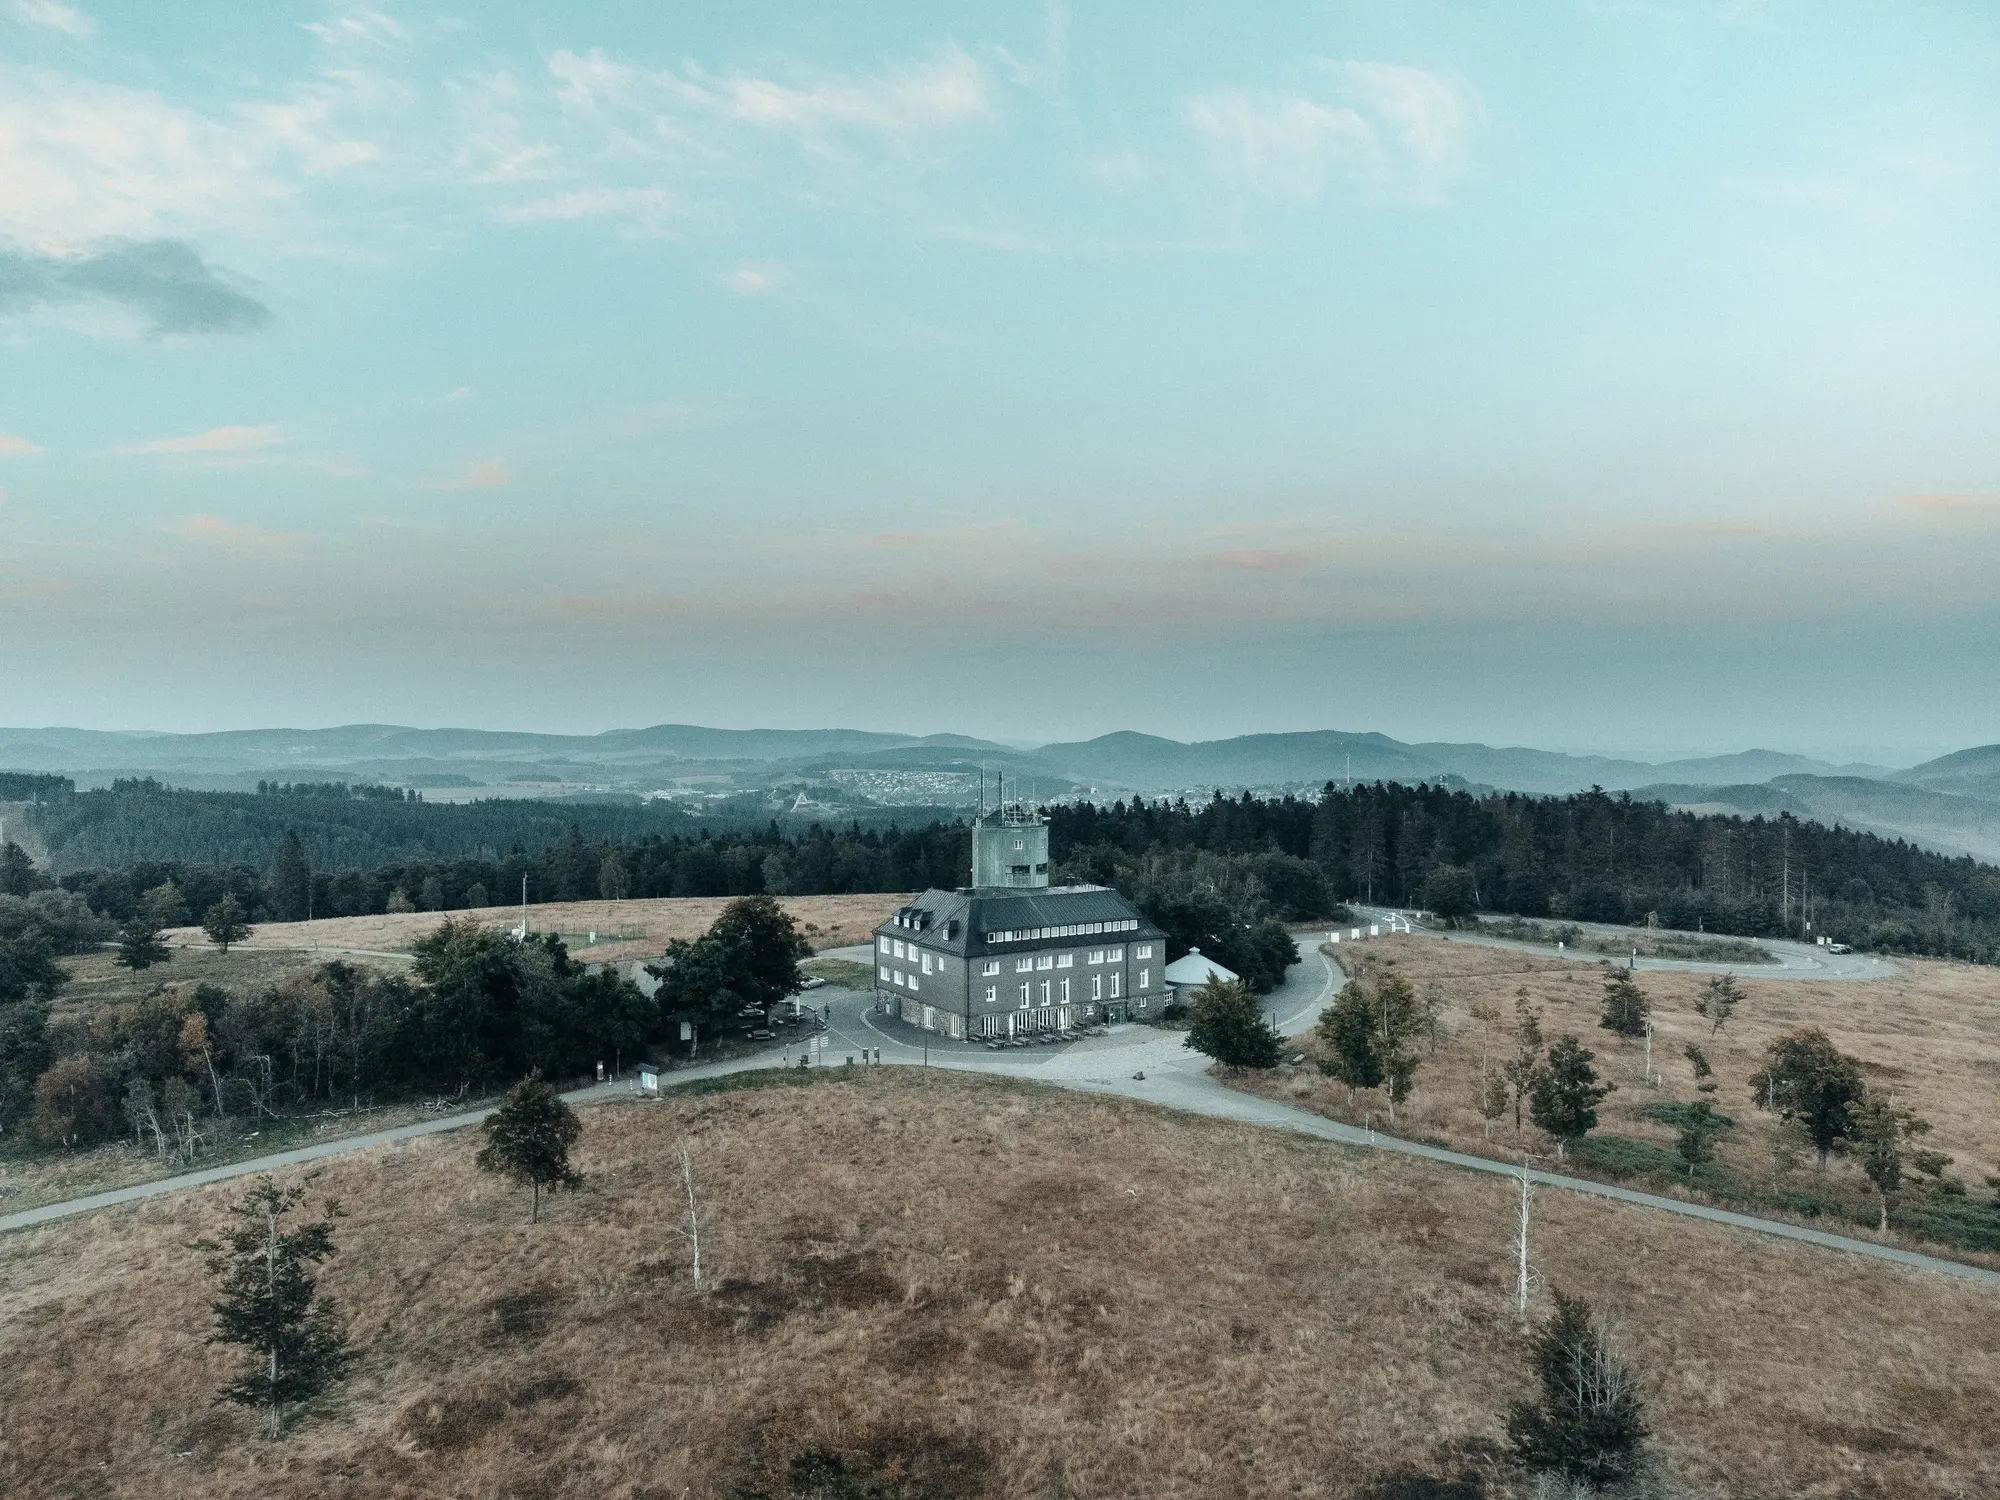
<point>980,912</point>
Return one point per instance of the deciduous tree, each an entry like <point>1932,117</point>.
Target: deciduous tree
<point>270,1306</point>
<point>1808,1079</point>
<point>1346,1030</point>
<point>224,923</point>
<point>528,1139</point>
<point>1884,1134</point>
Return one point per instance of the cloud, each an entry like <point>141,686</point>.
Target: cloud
<point>54,15</point>
<point>649,210</point>
<point>480,474</point>
<point>15,447</point>
<point>369,27</point>
<point>215,440</point>
<point>754,278</point>
<point>675,113</point>
<point>164,281</point>
<point>231,535</point>
<point>1947,504</point>
<point>1395,129</point>
<point>1429,114</point>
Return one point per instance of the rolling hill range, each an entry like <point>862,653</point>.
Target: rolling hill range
<point>1947,823</point>
<point>1951,804</point>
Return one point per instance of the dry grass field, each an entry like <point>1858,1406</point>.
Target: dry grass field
<point>953,1288</point>
<point>1931,1034</point>
<point>626,929</point>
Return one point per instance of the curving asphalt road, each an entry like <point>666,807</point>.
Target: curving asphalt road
<point>1794,960</point>
<point>1133,1062</point>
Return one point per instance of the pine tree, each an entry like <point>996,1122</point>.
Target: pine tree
<point>1625,1004</point>
<point>1226,1022</point>
<point>1520,1069</point>
<point>224,923</point>
<point>269,1304</point>
<point>1718,1001</point>
<point>139,944</point>
<point>1566,1093</point>
<point>291,880</point>
<point>528,1139</point>
<point>1589,1422</point>
<point>1695,1143</point>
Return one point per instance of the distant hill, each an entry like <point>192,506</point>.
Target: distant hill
<point>399,753</point>
<point>1965,773</point>
<point>1145,762</point>
<point>1939,821</point>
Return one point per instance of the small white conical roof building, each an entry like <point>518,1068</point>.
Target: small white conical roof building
<point>1192,970</point>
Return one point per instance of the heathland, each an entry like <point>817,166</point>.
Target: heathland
<point>926,1285</point>
<point>1930,1035</point>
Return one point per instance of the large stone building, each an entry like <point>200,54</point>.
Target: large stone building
<point>1010,953</point>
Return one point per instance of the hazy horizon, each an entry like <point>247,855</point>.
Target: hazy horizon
<point>1615,374</point>
<point>1889,758</point>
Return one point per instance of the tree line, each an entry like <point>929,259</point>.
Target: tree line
<point>1587,857</point>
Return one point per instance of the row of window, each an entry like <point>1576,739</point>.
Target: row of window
<point>1102,987</point>
<point>896,977</point>
<point>911,953</point>
<point>1073,929</point>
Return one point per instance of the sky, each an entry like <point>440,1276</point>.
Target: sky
<point>1594,374</point>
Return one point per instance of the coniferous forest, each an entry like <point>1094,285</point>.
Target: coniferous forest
<point>1586,857</point>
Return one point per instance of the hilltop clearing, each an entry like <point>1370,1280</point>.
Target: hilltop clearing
<point>1930,1033</point>
<point>958,1287</point>
<point>625,930</point>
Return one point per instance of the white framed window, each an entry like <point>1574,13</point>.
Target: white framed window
<point>1065,960</point>
<point>884,972</point>
<point>1065,992</point>
<point>897,948</point>
<point>927,963</point>
<point>913,979</point>
<point>988,969</point>
<point>992,994</point>
<point>1115,976</point>
<point>1097,986</point>
<point>1024,997</point>
<point>1045,992</point>
<point>1096,956</point>
<point>899,976</point>
<point>1115,955</point>
<point>1046,961</point>
<point>882,945</point>
<point>1145,978</point>
<point>1144,950</point>
<point>1024,966</point>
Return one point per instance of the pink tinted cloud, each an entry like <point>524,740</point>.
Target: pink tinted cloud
<point>1263,559</point>
<point>232,536</point>
<point>480,474</point>
<point>216,440</point>
<point>14,447</point>
<point>1951,504</point>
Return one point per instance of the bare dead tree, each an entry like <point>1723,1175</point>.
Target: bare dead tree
<point>693,1230</point>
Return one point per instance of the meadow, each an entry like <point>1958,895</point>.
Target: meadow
<point>954,1287</point>
<point>1930,1034</point>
